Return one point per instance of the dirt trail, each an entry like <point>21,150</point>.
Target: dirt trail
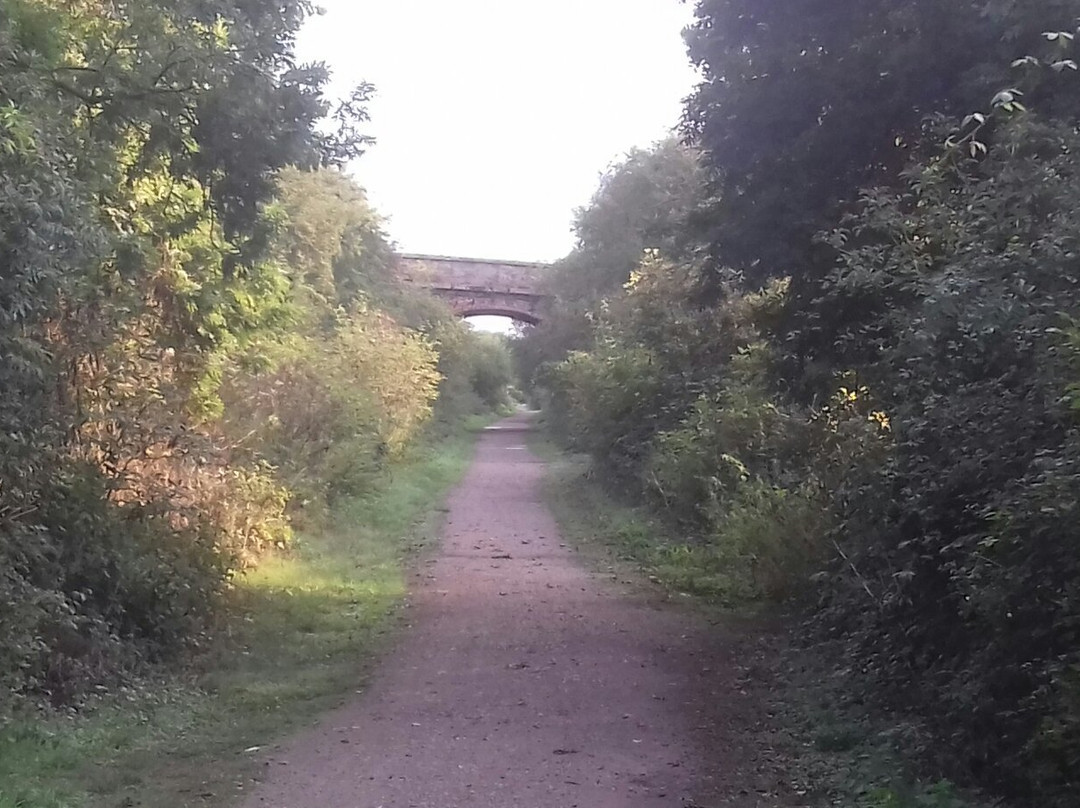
<point>525,681</point>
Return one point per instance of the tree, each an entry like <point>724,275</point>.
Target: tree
<point>641,205</point>
<point>330,236</point>
<point>804,102</point>
<point>139,144</point>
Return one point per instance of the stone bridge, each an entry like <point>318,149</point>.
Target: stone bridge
<point>476,286</point>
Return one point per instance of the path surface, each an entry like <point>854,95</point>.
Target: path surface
<point>524,681</point>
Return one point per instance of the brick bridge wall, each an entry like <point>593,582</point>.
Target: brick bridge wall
<point>474,286</point>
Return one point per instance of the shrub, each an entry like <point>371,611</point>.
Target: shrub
<point>959,592</point>
<point>772,539</point>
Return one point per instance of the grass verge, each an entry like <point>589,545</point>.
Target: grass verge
<point>612,534</point>
<point>303,635</point>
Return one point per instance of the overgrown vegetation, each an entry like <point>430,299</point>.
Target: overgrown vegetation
<point>833,337</point>
<point>305,630</point>
<point>845,366</point>
<point>202,343</point>
<point>834,750</point>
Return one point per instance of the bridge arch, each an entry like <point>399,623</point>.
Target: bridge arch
<point>516,315</point>
<point>478,286</point>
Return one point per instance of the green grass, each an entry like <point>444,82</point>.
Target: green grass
<point>302,637</point>
<point>613,533</point>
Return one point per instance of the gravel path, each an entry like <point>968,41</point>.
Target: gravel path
<point>525,681</point>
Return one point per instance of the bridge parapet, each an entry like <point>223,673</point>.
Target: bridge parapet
<point>474,286</point>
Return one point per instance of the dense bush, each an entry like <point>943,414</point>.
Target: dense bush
<point>964,541</point>
<point>200,331</point>
<point>889,437</point>
<point>675,401</point>
<point>121,518</point>
<point>492,370</point>
<point>330,413</point>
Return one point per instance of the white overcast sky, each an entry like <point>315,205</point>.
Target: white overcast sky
<point>495,118</point>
